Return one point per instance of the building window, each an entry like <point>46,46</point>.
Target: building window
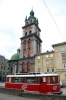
<point>64,65</point>
<point>27,23</point>
<point>1,67</point>
<point>52,61</point>
<point>25,33</point>
<point>63,57</point>
<point>38,69</point>
<point>62,49</point>
<point>65,75</point>
<point>46,56</point>
<point>4,68</point>
<point>8,68</point>
<point>52,70</point>
<point>47,62</point>
<point>51,55</point>
<point>38,57</point>
<point>0,72</point>
<point>38,63</point>
<point>3,73</point>
<point>31,21</point>
<point>47,70</point>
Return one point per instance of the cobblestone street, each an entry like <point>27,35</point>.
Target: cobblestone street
<point>12,97</point>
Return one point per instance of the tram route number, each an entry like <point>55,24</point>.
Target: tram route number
<point>24,86</point>
<point>54,87</point>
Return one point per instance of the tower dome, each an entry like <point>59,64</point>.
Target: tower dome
<point>31,14</point>
<point>16,55</point>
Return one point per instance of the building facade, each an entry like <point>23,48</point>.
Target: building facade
<point>53,61</point>
<point>14,62</point>
<point>4,68</point>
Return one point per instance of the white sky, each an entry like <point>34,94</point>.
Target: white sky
<point>12,16</point>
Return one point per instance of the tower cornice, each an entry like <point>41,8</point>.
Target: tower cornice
<point>34,34</point>
<point>30,25</point>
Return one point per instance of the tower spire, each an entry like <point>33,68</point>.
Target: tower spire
<point>32,7</point>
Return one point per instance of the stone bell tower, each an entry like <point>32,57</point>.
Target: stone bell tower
<point>30,43</point>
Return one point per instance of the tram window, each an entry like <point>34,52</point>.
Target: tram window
<point>54,79</point>
<point>37,80</point>
<point>40,79</point>
<point>7,79</point>
<point>18,79</point>
<point>13,79</point>
<point>48,80</point>
<point>44,79</point>
<point>30,79</point>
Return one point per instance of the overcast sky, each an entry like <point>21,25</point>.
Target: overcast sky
<point>12,16</point>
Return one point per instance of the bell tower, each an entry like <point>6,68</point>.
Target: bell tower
<point>30,43</point>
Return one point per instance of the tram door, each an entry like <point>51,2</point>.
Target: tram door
<point>43,87</point>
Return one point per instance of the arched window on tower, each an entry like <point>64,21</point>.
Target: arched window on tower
<point>29,47</point>
<point>26,34</point>
<point>28,67</point>
<point>31,21</point>
<point>23,67</point>
<point>29,32</point>
<point>24,48</point>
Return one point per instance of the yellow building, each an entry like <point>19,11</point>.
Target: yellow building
<point>53,61</point>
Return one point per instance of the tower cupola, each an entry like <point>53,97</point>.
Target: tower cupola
<point>31,14</point>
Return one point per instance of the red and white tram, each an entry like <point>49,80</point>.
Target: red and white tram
<point>36,82</point>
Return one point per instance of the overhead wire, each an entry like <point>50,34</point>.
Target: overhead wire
<point>53,20</point>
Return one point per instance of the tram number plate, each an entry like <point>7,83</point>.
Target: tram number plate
<point>54,87</point>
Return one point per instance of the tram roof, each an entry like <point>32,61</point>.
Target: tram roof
<point>32,75</point>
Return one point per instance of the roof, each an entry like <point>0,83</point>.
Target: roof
<point>32,75</point>
<point>48,52</point>
<point>58,44</point>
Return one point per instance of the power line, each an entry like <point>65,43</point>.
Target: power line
<point>53,19</point>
